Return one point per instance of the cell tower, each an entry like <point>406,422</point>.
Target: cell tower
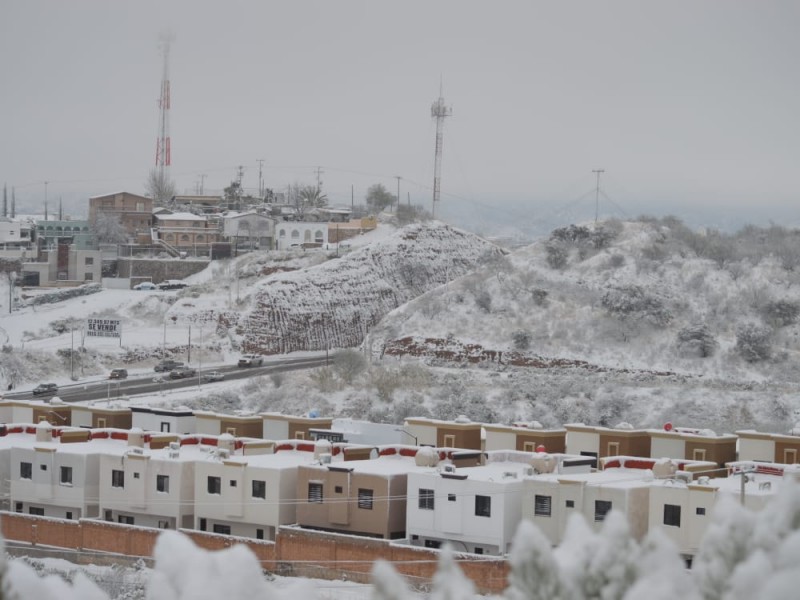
<point>439,111</point>
<point>163,157</point>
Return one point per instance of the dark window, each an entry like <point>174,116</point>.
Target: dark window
<point>483,506</point>
<point>601,509</point>
<point>214,485</point>
<point>365,498</point>
<point>570,503</point>
<point>109,515</point>
<point>162,483</point>
<point>541,505</point>
<point>426,499</point>
<point>672,515</point>
<point>478,550</point>
<point>163,524</point>
<point>451,497</point>
<point>136,476</point>
<point>34,510</point>
<point>259,489</point>
<point>43,467</point>
<point>203,525</point>
<point>18,507</point>
<point>25,470</point>
<point>125,519</point>
<point>433,544</point>
<point>66,475</point>
<point>69,514</point>
<point>233,483</point>
<point>700,510</point>
<point>338,489</point>
<point>223,529</point>
<point>259,534</point>
<point>315,492</point>
<point>118,479</point>
<point>164,427</point>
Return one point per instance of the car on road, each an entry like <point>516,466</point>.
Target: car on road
<point>146,286</point>
<point>172,284</point>
<point>45,388</point>
<point>182,373</point>
<point>251,360</point>
<point>167,365</point>
<point>118,374</point>
<point>212,376</point>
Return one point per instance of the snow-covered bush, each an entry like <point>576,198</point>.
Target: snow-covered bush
<point>557,255</point>
<point>697,340</point>
<point>521,339</point>
<point>754,342</point>
<point>780,313</point>
<point>348,364</point>
<point>631,301</point>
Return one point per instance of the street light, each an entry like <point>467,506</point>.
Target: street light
<point>416,440</point>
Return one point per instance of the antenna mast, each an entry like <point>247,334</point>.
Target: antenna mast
<point>439,111</point>
<point>597,193</point>
<point>163,154</point>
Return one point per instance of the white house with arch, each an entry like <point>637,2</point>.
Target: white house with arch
<point>298,233</point>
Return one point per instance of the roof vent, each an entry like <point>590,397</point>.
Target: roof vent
<point>448,468</point>
<point>325,459</point>
<point>136,450</point>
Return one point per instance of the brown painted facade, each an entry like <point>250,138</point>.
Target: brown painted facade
<point>526,439</point>
<point>342,505</point>
<point>447,434</point>
<point>133,211</point>
<point>622,442</point>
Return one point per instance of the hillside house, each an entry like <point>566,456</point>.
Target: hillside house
<point>290,234</point>
<point>693,444</point>
<point>599,442</point>
<point>201,203</point>
<point>277,426</point>
<point>249,230</point>
<point>185,231</point>
<point>63,264</point>
<point>211,423</point>
<point>52,411</point>
<point>525,437</point>
<point>115,416</point>
<point>133,212</point>
<point>781,448</point>
<point>460,433</point>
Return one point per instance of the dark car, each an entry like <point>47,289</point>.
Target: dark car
<point>167,365</point>
<point>45,388</point>
<point>182,373</point>
<point>118,374</point>
<point>172,284</point>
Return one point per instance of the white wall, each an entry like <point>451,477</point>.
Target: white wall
<point>582,441</point>
<point>756,449</point>
<point>500,440</point>
<point>667,447</point>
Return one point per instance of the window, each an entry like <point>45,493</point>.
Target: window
<point>125,519</point>
<point>18,507</point>
<point>672,515</point>
<point>529,446</point>
<point>451,497</point>
<point>300,435</point>
<point>223,529</point>
<point>259,489</point>
<point>700,510</point>
<point>282,233</point>
<point>338,489</point>
<point>101,423</point>
<point>790,456</point>
<point>35,510</point>
<point>233,483</point>
<point>365,498</point>
<point>136,476</point>
<point>570,503</point>
<point>231,431</point>
<point>259,534</point>
<point>25,470</point>
<point>163,524</point>
<point>66,475</point>
<point>613,449</point>
<point>118,479</point>
<point>433,544</point>
<point>295,234</point>
<point>541,505</point>
<point>214,485</point>
<point>203,526</point>
<point>483,506</point>
<point>426,499</point>
<point>69,514</point>
<point>450,441</point>
<point>43,467</point>
<point>601,509</point>
<point>109,515</point>
<point>162,484</point>
<point>88,276</point>
<point>89,260</point>
<point>164,427</point>
<point>699,454</point>
<point>315,492</point>
<point>478,550</point>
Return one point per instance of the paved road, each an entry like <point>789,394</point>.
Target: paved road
<point>139,384</point>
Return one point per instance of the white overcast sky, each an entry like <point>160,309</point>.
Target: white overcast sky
<point>692,102</point>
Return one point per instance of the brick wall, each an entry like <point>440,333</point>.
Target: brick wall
<point>296,552</point>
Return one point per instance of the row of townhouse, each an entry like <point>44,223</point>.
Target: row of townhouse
<point>594,442</point>
<point>429,496</point>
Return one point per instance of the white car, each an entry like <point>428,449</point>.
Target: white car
<point>145,285</point>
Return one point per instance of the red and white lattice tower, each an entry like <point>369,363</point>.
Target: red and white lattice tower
<point>438,111</point>
<point>163,158</point>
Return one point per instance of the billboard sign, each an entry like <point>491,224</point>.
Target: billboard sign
<point>111,328</point>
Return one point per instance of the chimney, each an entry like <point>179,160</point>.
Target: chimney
<point>44,432</point>
<point>136,437</point>
<point>226,442</point>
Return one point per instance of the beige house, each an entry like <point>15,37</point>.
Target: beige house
<point>66,264</point>
<point>277,426</point>
<point>236,425</point>
<point>133,211</point>
<point>693,444</point>
<point>769,447</point>
<point>99,417</point>
<point>460,433</point>
<point>525,437</point>
<point>365,497</point>
<point>185,230</point>
<point>599,442</point>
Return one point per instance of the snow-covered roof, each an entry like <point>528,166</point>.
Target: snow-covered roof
<point>181,216</point>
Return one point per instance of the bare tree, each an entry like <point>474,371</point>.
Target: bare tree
<point>108,229</point>
<point>378,197</point>
<point>159,187</point>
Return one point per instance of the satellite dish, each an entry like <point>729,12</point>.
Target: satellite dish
<point>667,426</point>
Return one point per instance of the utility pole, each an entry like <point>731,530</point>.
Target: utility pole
<point>60,210</point>
<point>319,180</point>
<point>45,200</point>
<point>5,200</point>
<point>260,162</point>
<point>597,193</point>
<point>352,198</point>
<point>189,347</point>
<point>13,202</point>
<point>398,190</point>
<point>202,182</point>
